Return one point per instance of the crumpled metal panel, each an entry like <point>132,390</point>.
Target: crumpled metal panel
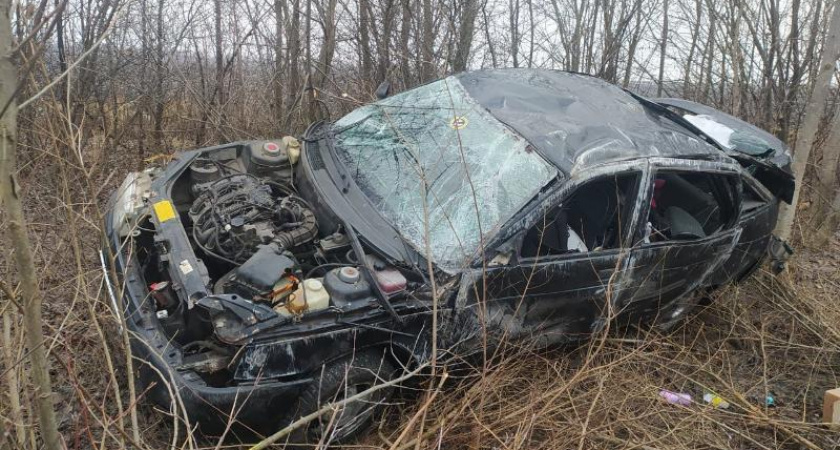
<point>433,156</point>
<point>742,136</point>
<point>577,121</point>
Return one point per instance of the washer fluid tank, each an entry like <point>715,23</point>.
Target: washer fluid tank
<point>309,296</point>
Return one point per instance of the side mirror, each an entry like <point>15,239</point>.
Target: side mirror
<point>383,89</point>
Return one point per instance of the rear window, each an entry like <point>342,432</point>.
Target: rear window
<point>732,137</point>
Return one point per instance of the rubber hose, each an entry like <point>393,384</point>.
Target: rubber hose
<point>306,232</point>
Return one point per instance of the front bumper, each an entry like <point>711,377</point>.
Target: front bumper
<point>249,411</point>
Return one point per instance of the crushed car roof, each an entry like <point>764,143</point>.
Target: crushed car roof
<point>577,121</point>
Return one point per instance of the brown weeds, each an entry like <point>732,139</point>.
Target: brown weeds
<point>769,336</point>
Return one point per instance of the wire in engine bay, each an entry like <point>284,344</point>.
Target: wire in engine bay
<point>235,214</point>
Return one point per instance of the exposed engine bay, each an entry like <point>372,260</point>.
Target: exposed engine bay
<point>233,216</point>
<point>257,255</point>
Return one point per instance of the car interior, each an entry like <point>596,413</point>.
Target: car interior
<point>591,219</point>
<point>751,200</point>
<point>687,206</point>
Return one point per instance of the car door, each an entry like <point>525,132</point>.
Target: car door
<point>567,265</point>
<point>759,210</point>
<point>688,231</point>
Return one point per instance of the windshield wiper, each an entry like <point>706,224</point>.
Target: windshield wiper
<point>329,138</point>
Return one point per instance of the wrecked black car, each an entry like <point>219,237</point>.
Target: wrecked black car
<point>261,280</point>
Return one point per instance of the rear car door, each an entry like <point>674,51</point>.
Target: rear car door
<point>688,230</point>
<point>759,211</point>
<point>567,265</point>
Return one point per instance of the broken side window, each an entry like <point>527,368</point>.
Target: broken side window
<point>440,168</point>
<point>751,198</point>
<point>593,218</point>
<point>691,205</point>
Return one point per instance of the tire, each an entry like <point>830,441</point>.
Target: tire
<point>341,379</point>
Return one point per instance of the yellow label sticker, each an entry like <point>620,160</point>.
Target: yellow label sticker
<point>459,122</point>
<point>164,210</point>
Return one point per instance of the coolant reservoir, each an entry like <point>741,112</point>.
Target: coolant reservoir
<point>309,296</point>
<point>269,159</point>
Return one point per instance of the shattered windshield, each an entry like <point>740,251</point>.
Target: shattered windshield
<point>440,168</point>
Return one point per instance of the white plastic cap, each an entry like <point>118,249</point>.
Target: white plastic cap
<point>313,284</point>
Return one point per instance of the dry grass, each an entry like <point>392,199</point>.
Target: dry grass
<point>770,335</point>
<point>766,337</point>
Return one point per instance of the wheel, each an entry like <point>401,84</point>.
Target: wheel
<point>342,379</point>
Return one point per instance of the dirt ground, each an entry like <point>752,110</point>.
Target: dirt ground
<point>776,336</point>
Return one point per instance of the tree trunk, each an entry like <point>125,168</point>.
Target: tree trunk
<point>663,46</point>
<point>279,80</point>
<point>513,23</point>
<point>308,95</point>
<point>531,33</point>
<point>364,40</point>
<point>427,70</point>
<point>9,343</point>
<point>631,48</point>
<point>465,35</point>
<point>160,94</point>
<point>795,76</point>
<point>327,51</point>
<point>814,110</point>
<point>709,53</point>
<point>695,33</point>
<point>293,60</point>
<point>405,36</point>
<point>220,66</point>
<point>828,200</point>
<point>487,36</point>
<point>384,41</point>
<point>146,97</point>
<point>589,38</point>
<point>27,272</point>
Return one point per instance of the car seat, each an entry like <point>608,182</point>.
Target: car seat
<point>683,224</point>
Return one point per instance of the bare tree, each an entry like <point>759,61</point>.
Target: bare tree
<point>806,137</point>
<point>364,39</point>
<point>427,68</point>
<point>466,28</point>
<point>10,193</point>
<point>279,79</point>
<point>663,47</point>
<point>828,205</point>
<point>695,35</point>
